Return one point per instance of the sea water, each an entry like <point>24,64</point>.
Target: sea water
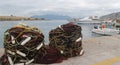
<point>45,26</point>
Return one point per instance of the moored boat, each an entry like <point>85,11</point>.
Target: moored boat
<point>106,31</point>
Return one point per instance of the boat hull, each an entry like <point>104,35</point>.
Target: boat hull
<point>106,31</point>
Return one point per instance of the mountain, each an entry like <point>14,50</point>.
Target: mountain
<point>52,17</point>
<point>111,16</point>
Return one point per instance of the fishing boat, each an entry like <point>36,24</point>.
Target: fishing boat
<point>113,22</point>
<point>102,30</point>
<point>116,23</point>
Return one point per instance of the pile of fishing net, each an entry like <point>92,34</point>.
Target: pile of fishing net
<point>22,44</point>
<point>25,45</point>
<point>67,39</point>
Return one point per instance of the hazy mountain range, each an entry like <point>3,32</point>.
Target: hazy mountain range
<point>65,17</point>
<point>52,17</point>
<point>111,16</point>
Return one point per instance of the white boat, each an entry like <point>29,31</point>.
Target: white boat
<point>92,19</point>
<point>108,22</point>
<point>112,22</point>
<point>106,31</point>
<point>117,25</point>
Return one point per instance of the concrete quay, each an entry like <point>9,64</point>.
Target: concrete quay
<point>103,50</point>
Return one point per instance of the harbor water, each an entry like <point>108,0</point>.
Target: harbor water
<point>45,26</point>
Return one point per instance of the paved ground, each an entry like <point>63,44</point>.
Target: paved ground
<point>98,51</point>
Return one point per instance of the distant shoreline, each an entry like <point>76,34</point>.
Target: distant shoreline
<point>17,18</point>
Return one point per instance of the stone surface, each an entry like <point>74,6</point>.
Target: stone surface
<point>99,50</point>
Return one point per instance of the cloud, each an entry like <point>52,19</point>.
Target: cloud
<point>73,8</point>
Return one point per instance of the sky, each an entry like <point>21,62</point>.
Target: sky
<point>72,8</point>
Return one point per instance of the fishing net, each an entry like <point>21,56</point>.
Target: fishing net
<point>22,44</point>
<point>67,39</point>
<point>52,55</point>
